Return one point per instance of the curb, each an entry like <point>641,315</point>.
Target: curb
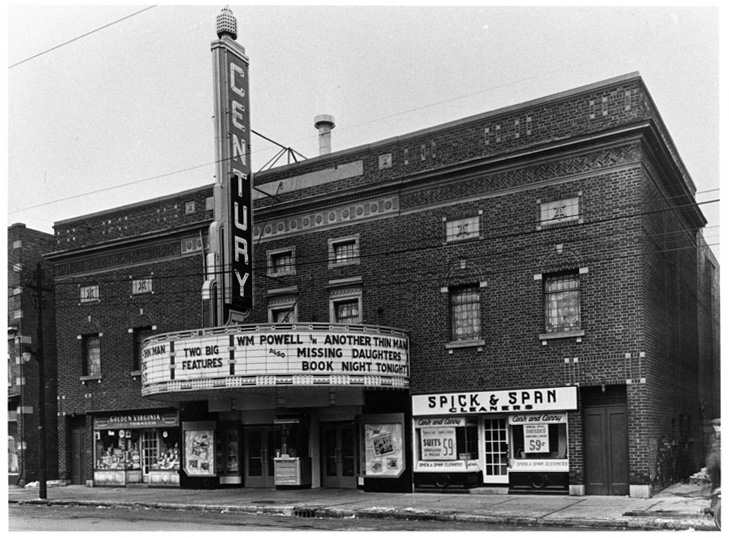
<point>688,522</point>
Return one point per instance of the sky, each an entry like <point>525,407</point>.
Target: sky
<point>109,105</point>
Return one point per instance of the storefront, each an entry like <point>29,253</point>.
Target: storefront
<point>140,447</point>
<point>493,438</point>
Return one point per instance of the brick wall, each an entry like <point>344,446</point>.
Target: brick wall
<point>25,250</point>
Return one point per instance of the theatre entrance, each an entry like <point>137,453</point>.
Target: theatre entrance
<point>338,455</point>
<point>258,447</point>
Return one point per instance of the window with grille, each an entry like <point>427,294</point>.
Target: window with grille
<point>91,355</point>
<point>343,251</point>
<point>562,302</point>
<point>465,313</point>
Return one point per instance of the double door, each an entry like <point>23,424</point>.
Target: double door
<point>606,450</point>
<point>338,455</point>
<point>259,451</point>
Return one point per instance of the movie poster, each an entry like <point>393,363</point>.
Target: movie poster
<point>384,450</point>
<point>199,453</point>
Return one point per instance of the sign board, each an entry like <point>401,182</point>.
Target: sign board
<point>536,438</point>
<point>296,354</point>
<point>233,211</point>
<point>499,401</point>
<point>136,420</point>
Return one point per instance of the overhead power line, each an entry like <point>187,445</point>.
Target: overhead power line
<point>81,36</point>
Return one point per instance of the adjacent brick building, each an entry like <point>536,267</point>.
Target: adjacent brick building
<point>544,263</point>
<point>25,254</point>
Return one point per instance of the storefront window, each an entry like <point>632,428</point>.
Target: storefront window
<point>537,437</point>
<point>118,450</point>
<point>168,457</point>
<point>447,439</point>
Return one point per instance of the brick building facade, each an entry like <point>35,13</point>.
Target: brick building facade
<point>25,253</point>
<point>545,262</point>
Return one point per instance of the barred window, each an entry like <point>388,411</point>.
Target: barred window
<point>91,355</point>
<point>465,313</point>
<point>562,302</point>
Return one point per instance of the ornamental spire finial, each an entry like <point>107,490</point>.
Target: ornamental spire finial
<point>226,24</point>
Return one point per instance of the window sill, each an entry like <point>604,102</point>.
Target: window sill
<point>561,335</point>
<point>85,378</point>
<point>458,344</point>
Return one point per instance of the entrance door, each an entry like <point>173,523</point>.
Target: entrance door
<point>338,455</point>
<point>78,442</point>
<point>259,453</point>
<point>495,450</point>
<point>150,452</point>
<point>606,450</point>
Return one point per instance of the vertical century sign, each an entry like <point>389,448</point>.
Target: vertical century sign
<point>231,238</point>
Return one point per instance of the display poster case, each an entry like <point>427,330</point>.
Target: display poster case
<point>227,454</point>
<point>199,448</point>
<point>384,446</point>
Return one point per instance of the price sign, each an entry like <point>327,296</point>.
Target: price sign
<point>438,444</point>
<point>536,438</point>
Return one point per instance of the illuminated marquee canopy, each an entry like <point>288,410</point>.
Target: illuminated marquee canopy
<point>275,355</point>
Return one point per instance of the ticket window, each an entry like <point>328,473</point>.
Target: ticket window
<point>291,438</point>
<point>539,441</point>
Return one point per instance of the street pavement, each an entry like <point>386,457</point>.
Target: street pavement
<point>680,507</point>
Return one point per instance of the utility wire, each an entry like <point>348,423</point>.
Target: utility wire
<point>81,36</point>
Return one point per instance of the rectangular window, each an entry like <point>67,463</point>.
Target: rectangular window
<point>89,294</point>
<point>562,302</point>
<point>281,262</point>
<point>559,211</point>
<point>91,355</point>
<point>462,229</point>
<point>344,251</point>
<point>347,311</point>
<point>140,333</point>
<point>465,313</point>
<point>286,314</point>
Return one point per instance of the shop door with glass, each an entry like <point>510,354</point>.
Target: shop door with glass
<point>259,453</point>
<point>150,452</point>
<point>338,455</point>
<point>495,451</point>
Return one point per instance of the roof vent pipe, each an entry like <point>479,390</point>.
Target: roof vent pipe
<point>324,123</point>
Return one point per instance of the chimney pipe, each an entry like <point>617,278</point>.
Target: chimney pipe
<point>324,123</point>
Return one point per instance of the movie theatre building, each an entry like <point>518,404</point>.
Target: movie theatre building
<point>509,300</point>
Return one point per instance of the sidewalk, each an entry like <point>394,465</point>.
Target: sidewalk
<point>680,507</point>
